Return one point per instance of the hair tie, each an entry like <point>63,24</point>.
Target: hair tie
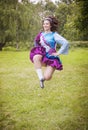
<point>49,19</point>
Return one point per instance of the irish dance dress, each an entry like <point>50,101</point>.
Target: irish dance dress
<point>45,44</point>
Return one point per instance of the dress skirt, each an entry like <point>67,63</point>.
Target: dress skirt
<point>47,58</point>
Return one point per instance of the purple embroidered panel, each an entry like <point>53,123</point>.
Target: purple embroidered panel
<point>37,39</point>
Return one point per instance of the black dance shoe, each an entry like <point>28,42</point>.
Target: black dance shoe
<point>42,83</point>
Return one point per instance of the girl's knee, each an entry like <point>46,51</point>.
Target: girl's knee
<point>47,77</point>
<point>37,58</point>
<point>49,72</point>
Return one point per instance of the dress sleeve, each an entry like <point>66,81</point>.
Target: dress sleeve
<point>37,39</point>
<point>64,43</point>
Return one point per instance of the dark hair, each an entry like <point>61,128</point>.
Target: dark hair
<point>53,22</point>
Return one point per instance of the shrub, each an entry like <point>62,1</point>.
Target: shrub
<point>78,44</point>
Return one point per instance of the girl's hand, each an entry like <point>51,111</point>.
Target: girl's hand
<point>55,54</point>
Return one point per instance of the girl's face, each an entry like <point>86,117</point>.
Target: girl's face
<point>46,25</point>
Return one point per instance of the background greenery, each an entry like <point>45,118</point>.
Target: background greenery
<point>21,21</point>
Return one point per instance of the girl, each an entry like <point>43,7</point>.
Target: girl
<point>44,52</point>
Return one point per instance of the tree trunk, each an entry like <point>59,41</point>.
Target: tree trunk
<point>2,45</point>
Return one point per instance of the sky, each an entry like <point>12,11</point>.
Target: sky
<point>39,0</point>
<point>35,1</point>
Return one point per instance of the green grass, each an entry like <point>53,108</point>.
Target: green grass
<point>61,105</point>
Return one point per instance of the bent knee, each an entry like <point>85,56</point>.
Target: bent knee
<point>47,77</point>
<point>37,58</point>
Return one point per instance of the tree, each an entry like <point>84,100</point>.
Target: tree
<point>61,13</point>
<point>16,22</point>
<point>69,30</point>
<point>67,1</point>
<point>7,15</point>
<point>50,6</point>
<point>82,20</point>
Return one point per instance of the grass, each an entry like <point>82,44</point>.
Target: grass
<point>61,105</point>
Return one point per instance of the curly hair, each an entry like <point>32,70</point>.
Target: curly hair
<point>53,22</point>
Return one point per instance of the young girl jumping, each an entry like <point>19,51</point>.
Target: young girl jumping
<point>44,52</point>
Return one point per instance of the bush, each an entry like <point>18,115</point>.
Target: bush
<point>78,44</point>
<point>22,46</point>
<point>28,46</point>
<point>9,48</point>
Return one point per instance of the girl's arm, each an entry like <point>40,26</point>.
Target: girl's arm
<point>64,44</point>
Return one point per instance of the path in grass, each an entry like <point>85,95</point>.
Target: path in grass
<point>61,105</point>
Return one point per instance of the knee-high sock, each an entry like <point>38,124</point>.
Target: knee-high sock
<point>40,74</point>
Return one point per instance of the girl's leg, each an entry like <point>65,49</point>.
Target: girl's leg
<point>38,66</point>
<point>37,61</point>
<point>48,72</point>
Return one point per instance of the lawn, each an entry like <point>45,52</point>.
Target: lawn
<point>61,105</point>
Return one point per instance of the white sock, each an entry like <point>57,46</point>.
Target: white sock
<point>40,74</point>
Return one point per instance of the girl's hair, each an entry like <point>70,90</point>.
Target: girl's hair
<point>53,22</point>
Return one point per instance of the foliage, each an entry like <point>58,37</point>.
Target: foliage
<point>69,30</point>
<point>17,23</point>
<point>50,6</point>
<point>78,44</point>
<point>82,20</point>
<point>7,27</point>
<point>20,22</point>
<point>67,1</point>
<point>61,13</point>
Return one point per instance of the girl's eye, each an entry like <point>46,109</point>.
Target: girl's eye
<point>45,24</point>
